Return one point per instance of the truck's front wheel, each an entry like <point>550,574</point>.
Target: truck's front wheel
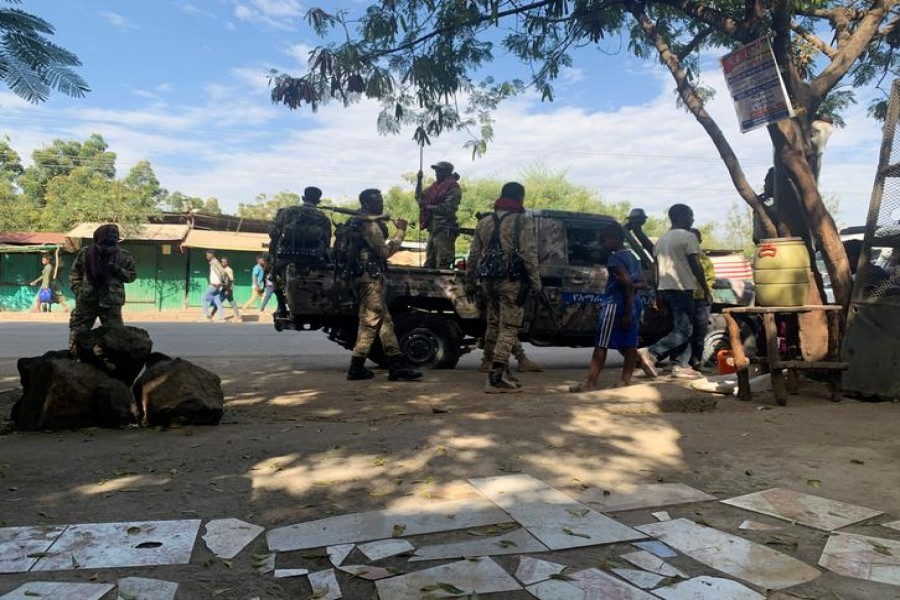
<point>428,341</point>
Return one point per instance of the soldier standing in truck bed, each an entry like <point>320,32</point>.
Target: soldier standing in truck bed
<point>503,257</point>
<point>367,248</point>
<point>438,205</point>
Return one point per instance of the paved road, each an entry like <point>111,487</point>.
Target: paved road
<point>310,349</point>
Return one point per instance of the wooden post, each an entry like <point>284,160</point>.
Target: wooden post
<point>740,359</point>
<point>778,384</point>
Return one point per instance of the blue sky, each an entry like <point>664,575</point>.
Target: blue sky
<point>182,83</point>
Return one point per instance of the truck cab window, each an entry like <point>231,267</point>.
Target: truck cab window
<point>584,245</point>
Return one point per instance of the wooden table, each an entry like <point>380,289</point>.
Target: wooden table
<point>784,383</point>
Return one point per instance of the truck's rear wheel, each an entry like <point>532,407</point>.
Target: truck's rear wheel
<point>428,341</point>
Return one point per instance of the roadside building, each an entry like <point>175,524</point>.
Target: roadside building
<point>20,263</point>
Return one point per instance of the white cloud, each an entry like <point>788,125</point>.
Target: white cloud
<point>235,144</point>
<point>278,14</point>
<point>117,20</point>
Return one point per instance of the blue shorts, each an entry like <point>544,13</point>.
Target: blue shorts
<point>609,327</point>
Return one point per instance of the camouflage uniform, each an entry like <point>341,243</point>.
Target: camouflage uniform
<point>442,226</point>
<point>374,316</point>
<point>104,300</point>
<point>502,294</point>
<point>281,258</point>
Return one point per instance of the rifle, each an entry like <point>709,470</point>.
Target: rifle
<point>362,215</point>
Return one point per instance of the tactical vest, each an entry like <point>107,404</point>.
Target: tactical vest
<point>304,236</point>
<point>496,263</point>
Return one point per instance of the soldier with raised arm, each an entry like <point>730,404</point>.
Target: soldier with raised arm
<point>437,214</point>
<point>503,258</point>
<point>370,249</point>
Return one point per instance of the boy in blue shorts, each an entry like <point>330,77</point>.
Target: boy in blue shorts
<point>620,312</point>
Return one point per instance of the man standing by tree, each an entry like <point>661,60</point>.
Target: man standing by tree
<point>369,250</point>
<point>437,214</point>
<point>678,274</point>
<point>503,257</point>
<point>98,280</point>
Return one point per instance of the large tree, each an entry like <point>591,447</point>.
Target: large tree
<point>419,59</point>
<point>30,64</point>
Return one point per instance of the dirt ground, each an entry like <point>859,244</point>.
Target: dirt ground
<point>296,446</point>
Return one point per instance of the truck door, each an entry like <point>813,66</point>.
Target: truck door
<point>574,277</point>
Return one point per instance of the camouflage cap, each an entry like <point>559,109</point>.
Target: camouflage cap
<point>443,166</point>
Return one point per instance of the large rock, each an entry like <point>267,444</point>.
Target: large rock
<point>25,365</point>
<point>178,391</point>
<point>119,351</point>
<point>58,394</point>
<point>114,404</point>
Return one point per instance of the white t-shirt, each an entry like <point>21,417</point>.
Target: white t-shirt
<point>672,251</point>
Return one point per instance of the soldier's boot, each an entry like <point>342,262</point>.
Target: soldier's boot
<point>399,369</point>
<point>526,365</point>
<point>486,361</point>
<point>358,370</point>
<point>498,381</point>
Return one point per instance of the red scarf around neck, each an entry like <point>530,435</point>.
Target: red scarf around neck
<point>509,204</point>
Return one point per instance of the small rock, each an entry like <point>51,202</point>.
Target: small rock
<point>114,404</point>
<point>178,391</point>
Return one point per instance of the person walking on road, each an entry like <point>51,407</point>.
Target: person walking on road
<point>98,279</point>
<point>438,204</point>
<point>257,283</point>
<point>49,289</point>
<point>503,259</point>
<point>227,290</point>
<point>371,249</point>
<point>212,296</point>
<point>678,274</point>
<point>620,312</point>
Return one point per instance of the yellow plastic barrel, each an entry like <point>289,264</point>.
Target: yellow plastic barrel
<point>781,272</point>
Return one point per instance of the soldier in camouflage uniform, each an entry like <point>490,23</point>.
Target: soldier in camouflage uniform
<point>438,205</point>
<point>503,256</point>
<point>526,365</point>
<point>372,249</point>
<point>98,280</point>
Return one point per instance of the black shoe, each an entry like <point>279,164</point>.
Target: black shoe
<point>401,370</point>
<point>358,370</point>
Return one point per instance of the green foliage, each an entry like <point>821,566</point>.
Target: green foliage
<point>61,158</point>
<point>178,202</point>
<point>30,64</point>
<point>265,208</point>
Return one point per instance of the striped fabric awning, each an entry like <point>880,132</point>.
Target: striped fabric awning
<point>732,266</point>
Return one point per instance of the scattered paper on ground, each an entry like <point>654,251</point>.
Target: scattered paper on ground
<point>648,495</point>
<point>757,526</point>
<point>754,563</point>
<point>551,516</point>
<point>481,576</point>
<point>642,579</point>
<point>806,509</point>
<point>707,588</point>
<point>283,573</point>
<point>892,525</point>
<point>590,584</point>
<point>225,538</point>
<point>370,572</point>
<point>20,547</point>
<point>337,554</point>
<point>656,548</point>
<point>654,564</point>
<point>863,557</point>
<point>264,563</point>
<point>109,545</point>
<point>661,516</point>
<point>533,570</point>
<point>514,542</point>
<point>141,588</point>
<point>384,548</point>
<point>324,585</point>
<point>427,517</point>
<point>55,590</point>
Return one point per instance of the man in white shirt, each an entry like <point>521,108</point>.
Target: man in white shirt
<point>678,274</point>
<point>213,295</point>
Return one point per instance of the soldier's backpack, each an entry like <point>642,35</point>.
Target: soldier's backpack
<point>347,244</point>
<point>304,235</point>
<point>496,263</point>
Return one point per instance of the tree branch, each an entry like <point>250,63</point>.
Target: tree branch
<point>813,40</point>
<point>690,98</point>
<point>693,44</point>
<point>739,30</point>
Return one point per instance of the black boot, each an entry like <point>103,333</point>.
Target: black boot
<point>401,370</point>
<point>499,383</point>
<point>358,370</point>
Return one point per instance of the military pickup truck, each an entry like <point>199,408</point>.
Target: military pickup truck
<point>436,324</point>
